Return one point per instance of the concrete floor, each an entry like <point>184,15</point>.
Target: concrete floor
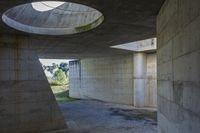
<point>86,116</point>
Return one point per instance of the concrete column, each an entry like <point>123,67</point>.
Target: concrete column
<point>139,79</point>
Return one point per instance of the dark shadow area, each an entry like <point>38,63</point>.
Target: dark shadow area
<point>149,117</point>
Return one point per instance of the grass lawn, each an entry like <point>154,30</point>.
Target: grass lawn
<point>62,94</point>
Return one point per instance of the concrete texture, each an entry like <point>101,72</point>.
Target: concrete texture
<point>27,104</point>
<point>75,79</point>
<point>107,79</point>
<point>68,18</point>
<point>145,80</point>
<point>139,73</point>
<point>113,79</point>
<point>125,21</point>
<point>98,117</point>
<point>151,81</point>
<point>139,46</point>
<point>178,66</point>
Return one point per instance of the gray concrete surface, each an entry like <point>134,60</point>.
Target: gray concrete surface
<point>113,79</point>
<point>88,116</point>
<point>139,46</point>
<point>151,81</point>
<point>125,21</point>
<point>178,31</point>
<point>68,18</point>
<point>139,73</point>
<point>107,79</point>
<point>27,104</point>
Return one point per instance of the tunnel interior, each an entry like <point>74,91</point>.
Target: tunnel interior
<point>116,80</point>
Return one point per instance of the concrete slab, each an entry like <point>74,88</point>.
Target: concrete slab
<point>87,116</point>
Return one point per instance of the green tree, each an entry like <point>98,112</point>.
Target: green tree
<point>61,77</point>
<point>64,66</point>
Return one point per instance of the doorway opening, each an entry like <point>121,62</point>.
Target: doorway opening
<point>57,73</point>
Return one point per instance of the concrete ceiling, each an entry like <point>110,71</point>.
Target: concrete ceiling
<point>43,18</point>
<point>125,21</point>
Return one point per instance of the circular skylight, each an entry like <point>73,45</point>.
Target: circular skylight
<point>53,18</point>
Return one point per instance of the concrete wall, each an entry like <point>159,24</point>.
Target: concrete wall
<point>107,79</point>
<point>111,79</point>
<point>151,82</point>
<point>75,79</point>
<point>27,104</point>
<point>178,28</point>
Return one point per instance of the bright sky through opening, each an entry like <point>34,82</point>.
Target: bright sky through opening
<point>46,5</point>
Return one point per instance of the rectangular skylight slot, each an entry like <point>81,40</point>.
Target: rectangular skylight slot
<point>139,46</point>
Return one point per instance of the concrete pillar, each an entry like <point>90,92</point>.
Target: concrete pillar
<point>139,79</point>
<point>27,104</point>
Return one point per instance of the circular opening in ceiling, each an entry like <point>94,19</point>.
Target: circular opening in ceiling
<point>53,18</point>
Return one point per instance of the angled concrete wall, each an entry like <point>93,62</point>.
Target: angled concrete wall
<point>111,79</point>
<point>178,28</point>
<point>27,104</point>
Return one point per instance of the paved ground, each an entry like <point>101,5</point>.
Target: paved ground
<point>87,116</point>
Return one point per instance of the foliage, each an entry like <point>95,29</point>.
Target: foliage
<point>59,74</point>
<point>62,95</point>
<point>61,77</point>
<point>50,68</point>
<point>64,66</point>
<point>59,81</point>
<point>55,83</point>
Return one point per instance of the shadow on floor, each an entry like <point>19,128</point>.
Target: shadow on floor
<point>89,116</point>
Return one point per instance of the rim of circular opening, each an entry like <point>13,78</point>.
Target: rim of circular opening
<point>51,30</point>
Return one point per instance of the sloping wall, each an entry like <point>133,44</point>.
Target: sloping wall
<point>27,104</point>
<point>178,28</point>
<point>111,79</point>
